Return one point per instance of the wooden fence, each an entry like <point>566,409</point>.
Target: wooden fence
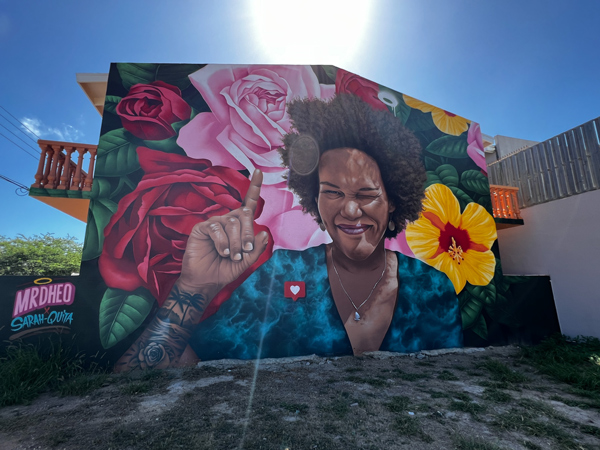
<point>567,164</point>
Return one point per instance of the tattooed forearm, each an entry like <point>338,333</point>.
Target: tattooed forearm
<point>183,308</point>
<point>166,337</point>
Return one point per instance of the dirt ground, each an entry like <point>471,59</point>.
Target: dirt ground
<point>466,399</point>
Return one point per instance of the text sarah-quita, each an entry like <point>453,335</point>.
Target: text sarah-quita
<point>30,320</point>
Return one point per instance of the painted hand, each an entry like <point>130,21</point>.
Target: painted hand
<point>220,249</point>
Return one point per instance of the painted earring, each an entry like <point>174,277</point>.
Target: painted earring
<point>391,225</point>
<point>322,226</point>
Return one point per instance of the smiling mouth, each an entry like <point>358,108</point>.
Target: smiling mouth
<point>354,229</point>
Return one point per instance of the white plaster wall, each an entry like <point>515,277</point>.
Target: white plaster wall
<point>561,239</point>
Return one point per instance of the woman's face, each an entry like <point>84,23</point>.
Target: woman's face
<point>352,201</point>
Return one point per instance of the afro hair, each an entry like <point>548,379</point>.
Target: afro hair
<point>348,122</point>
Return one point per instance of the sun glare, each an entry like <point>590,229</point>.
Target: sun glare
<point>310,31</point>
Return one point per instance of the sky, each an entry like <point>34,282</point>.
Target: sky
<point>520,68</point>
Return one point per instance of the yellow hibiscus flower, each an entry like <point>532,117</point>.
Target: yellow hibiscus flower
<point>454,243</point>
<point>446,121</point>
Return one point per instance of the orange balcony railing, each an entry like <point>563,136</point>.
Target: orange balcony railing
<point>61,166</point>
<point>504,202</point>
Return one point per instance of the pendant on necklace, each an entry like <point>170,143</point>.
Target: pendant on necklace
<point>356,316</point>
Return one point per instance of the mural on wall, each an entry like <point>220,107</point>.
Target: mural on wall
<point>265,211</point>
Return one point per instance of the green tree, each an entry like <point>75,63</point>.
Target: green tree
<point>43,255</point>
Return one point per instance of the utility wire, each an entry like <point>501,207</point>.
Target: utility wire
<point>21,190</point>
<point>26,143</point>
<point>26,127</point>
<point>30,154</point>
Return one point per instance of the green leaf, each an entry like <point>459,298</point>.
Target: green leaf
<point>112,187</point>
<point>173,74</point>
<point>331,72</point>
<point>121,313</point>
<point>101,188</point>
<point>480,328</point>
<point>111,102</point>
<point>430,163</point>
<point>449,146</point>
<point>514,279</point>
<point>432,178</point>
<point>117,154</point>
<point>475,181</point>
<point>391,98</point>
<point>168,145</point>
<point>448,175</point>
<point>462,196</point>
<point>470,309</point>
<point>485,294</point>
<point>101,210</point>
<point>419,121</point>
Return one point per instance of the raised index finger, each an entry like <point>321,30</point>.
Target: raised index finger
<point>253,194</point>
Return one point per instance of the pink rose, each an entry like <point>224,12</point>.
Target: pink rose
<point>475,146</point>
<point>249,115</point>
<point>244,129</point>
<point>348,83</point>
<point>149,110</point>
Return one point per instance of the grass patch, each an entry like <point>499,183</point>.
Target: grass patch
<point>461,396</point>
<point>339,407</point>
<point>494,395</point>
<point>469,443</point>
<point>82,384</point>
<point>424,363</point>
<point>295,408</point>
<point>589,429</point>
<point>498,385</point>
<point>410,426</point>
<point>153,375</point>
<point>26,371</point>
<point>136,388</point>
<point>525,422</point>
<point>468,407</point>
<point>58,437</point>
<point>446,375</point>
<point>399,373</point>
<point>398,404</point>
<point>438,394</point>
<point>573,361</point>
<point>375,382</point>
<point>531,445</point>
<point>576,403</point>
<point>500,372</point>
<point>540,407</point>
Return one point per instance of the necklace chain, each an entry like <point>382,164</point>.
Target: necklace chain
<point>357,316</point>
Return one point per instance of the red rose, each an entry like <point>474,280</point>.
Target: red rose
<point>348,83</point>
<point>145,239</point>
<point>148,110</point>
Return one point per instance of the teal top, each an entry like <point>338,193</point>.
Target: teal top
<point>258,321</point>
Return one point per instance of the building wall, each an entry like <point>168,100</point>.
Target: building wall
<point>505,146</point>
<point>561,239</point>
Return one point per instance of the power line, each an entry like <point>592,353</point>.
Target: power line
<point>26,143</point>
<point>21,190</point>
<point>30,154</point>
<point>26,127</point>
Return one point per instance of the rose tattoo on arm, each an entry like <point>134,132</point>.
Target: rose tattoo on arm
<point>164,340</point>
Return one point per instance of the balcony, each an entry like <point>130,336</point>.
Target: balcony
<point>505,206</point>
<point>61,180</point>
